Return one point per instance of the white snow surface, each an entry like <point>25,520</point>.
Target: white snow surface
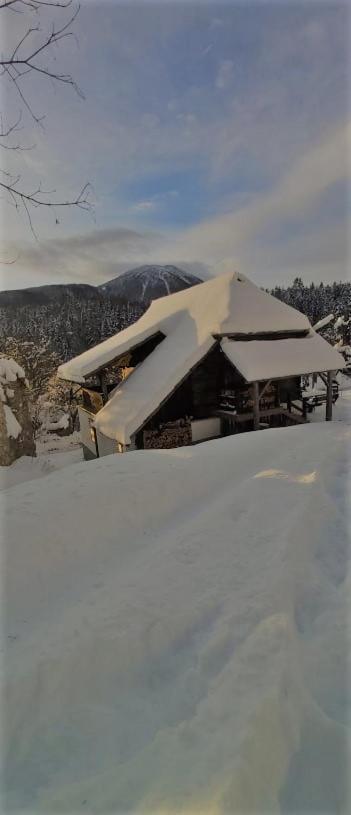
<point>13,427</point>
<point>341,321</point>
<point>176,630</point>
<point>53,453</point>
<point>323,322</point>
<point>272,359</point>
<point>229,303</point>
<point>10,371</point>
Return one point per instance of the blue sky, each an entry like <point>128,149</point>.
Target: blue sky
<point>214,136</point>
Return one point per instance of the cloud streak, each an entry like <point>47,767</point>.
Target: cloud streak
<point>294,197</point>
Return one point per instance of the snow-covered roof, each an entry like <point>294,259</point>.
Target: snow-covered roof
<point>136,399</point>
<point>274,359</point>
<point>192,321</point>
<point>226,304</point>
<point>323,322</point>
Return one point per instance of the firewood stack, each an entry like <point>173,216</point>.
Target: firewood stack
<point>172,434</point>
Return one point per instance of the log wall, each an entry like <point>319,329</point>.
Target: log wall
<point>167,436</point>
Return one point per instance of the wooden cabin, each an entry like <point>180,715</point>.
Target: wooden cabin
<point>220,358</point>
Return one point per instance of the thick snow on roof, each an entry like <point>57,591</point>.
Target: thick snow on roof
<point>272,359</point>
<point>136,399</point>
<point>226,304</point>
<point>323,322</point>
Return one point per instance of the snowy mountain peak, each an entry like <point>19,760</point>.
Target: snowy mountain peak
<point>149,282</point>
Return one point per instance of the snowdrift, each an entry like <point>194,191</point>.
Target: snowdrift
<point>176,630</point>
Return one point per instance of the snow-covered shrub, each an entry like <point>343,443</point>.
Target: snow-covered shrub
<point>16,430</point>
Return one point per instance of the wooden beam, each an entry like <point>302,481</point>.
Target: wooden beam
<point>265,386</point>
<point>263,335</point>
<point>239,418</point>
<point>256,405</point>
<point>297,407</point>
<point>329,402</point>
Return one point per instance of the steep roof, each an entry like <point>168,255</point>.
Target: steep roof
<point>229,304</point>
<point>192,321</point>
<point>135,400</point>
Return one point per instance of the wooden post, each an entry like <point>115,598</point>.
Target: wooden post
<point>256,405</point>
<point>329,403</point>
<point>103,385</point>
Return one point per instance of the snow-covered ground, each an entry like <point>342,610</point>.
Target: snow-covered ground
<point>53,453</point>
<point>176,629</point>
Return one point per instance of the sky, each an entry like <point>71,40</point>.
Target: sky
<point>214,136</point>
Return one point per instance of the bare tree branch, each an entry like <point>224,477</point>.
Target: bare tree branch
<point>25,58</point>
<point>33,4</point>
<point>26,199</point>
<point>13,128</point>
<point>81,201</point>
<point>18,64</point>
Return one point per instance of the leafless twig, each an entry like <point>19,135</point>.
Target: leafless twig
<point>25,58</point>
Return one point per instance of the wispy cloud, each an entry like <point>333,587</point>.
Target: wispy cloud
<point>144,206</point>
<point>225,74</point>
<point>218,131</point>
<point>243,235</point>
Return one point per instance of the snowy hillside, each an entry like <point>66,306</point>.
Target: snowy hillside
<point>147,283</point>
<point>176,630</point>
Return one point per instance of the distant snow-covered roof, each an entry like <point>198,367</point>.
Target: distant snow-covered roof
<point>323,322</point>
<point>274,359</point>
<point>228,304</point>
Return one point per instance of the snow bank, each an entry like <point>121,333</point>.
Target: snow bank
<point>53,453</point>
<point>176,629</point>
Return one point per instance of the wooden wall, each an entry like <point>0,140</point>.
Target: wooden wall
<point>201,394</point>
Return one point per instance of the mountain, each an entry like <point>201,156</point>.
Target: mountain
<point>46,295</point>
<point>139,285</point>
<point>147,283</point>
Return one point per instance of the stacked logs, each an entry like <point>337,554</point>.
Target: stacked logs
<point>172,434</point>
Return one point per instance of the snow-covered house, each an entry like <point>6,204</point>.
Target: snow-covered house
<point>218,358</point>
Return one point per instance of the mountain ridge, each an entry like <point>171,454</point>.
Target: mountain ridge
<point>140,285</point>
<point>148,282</point>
